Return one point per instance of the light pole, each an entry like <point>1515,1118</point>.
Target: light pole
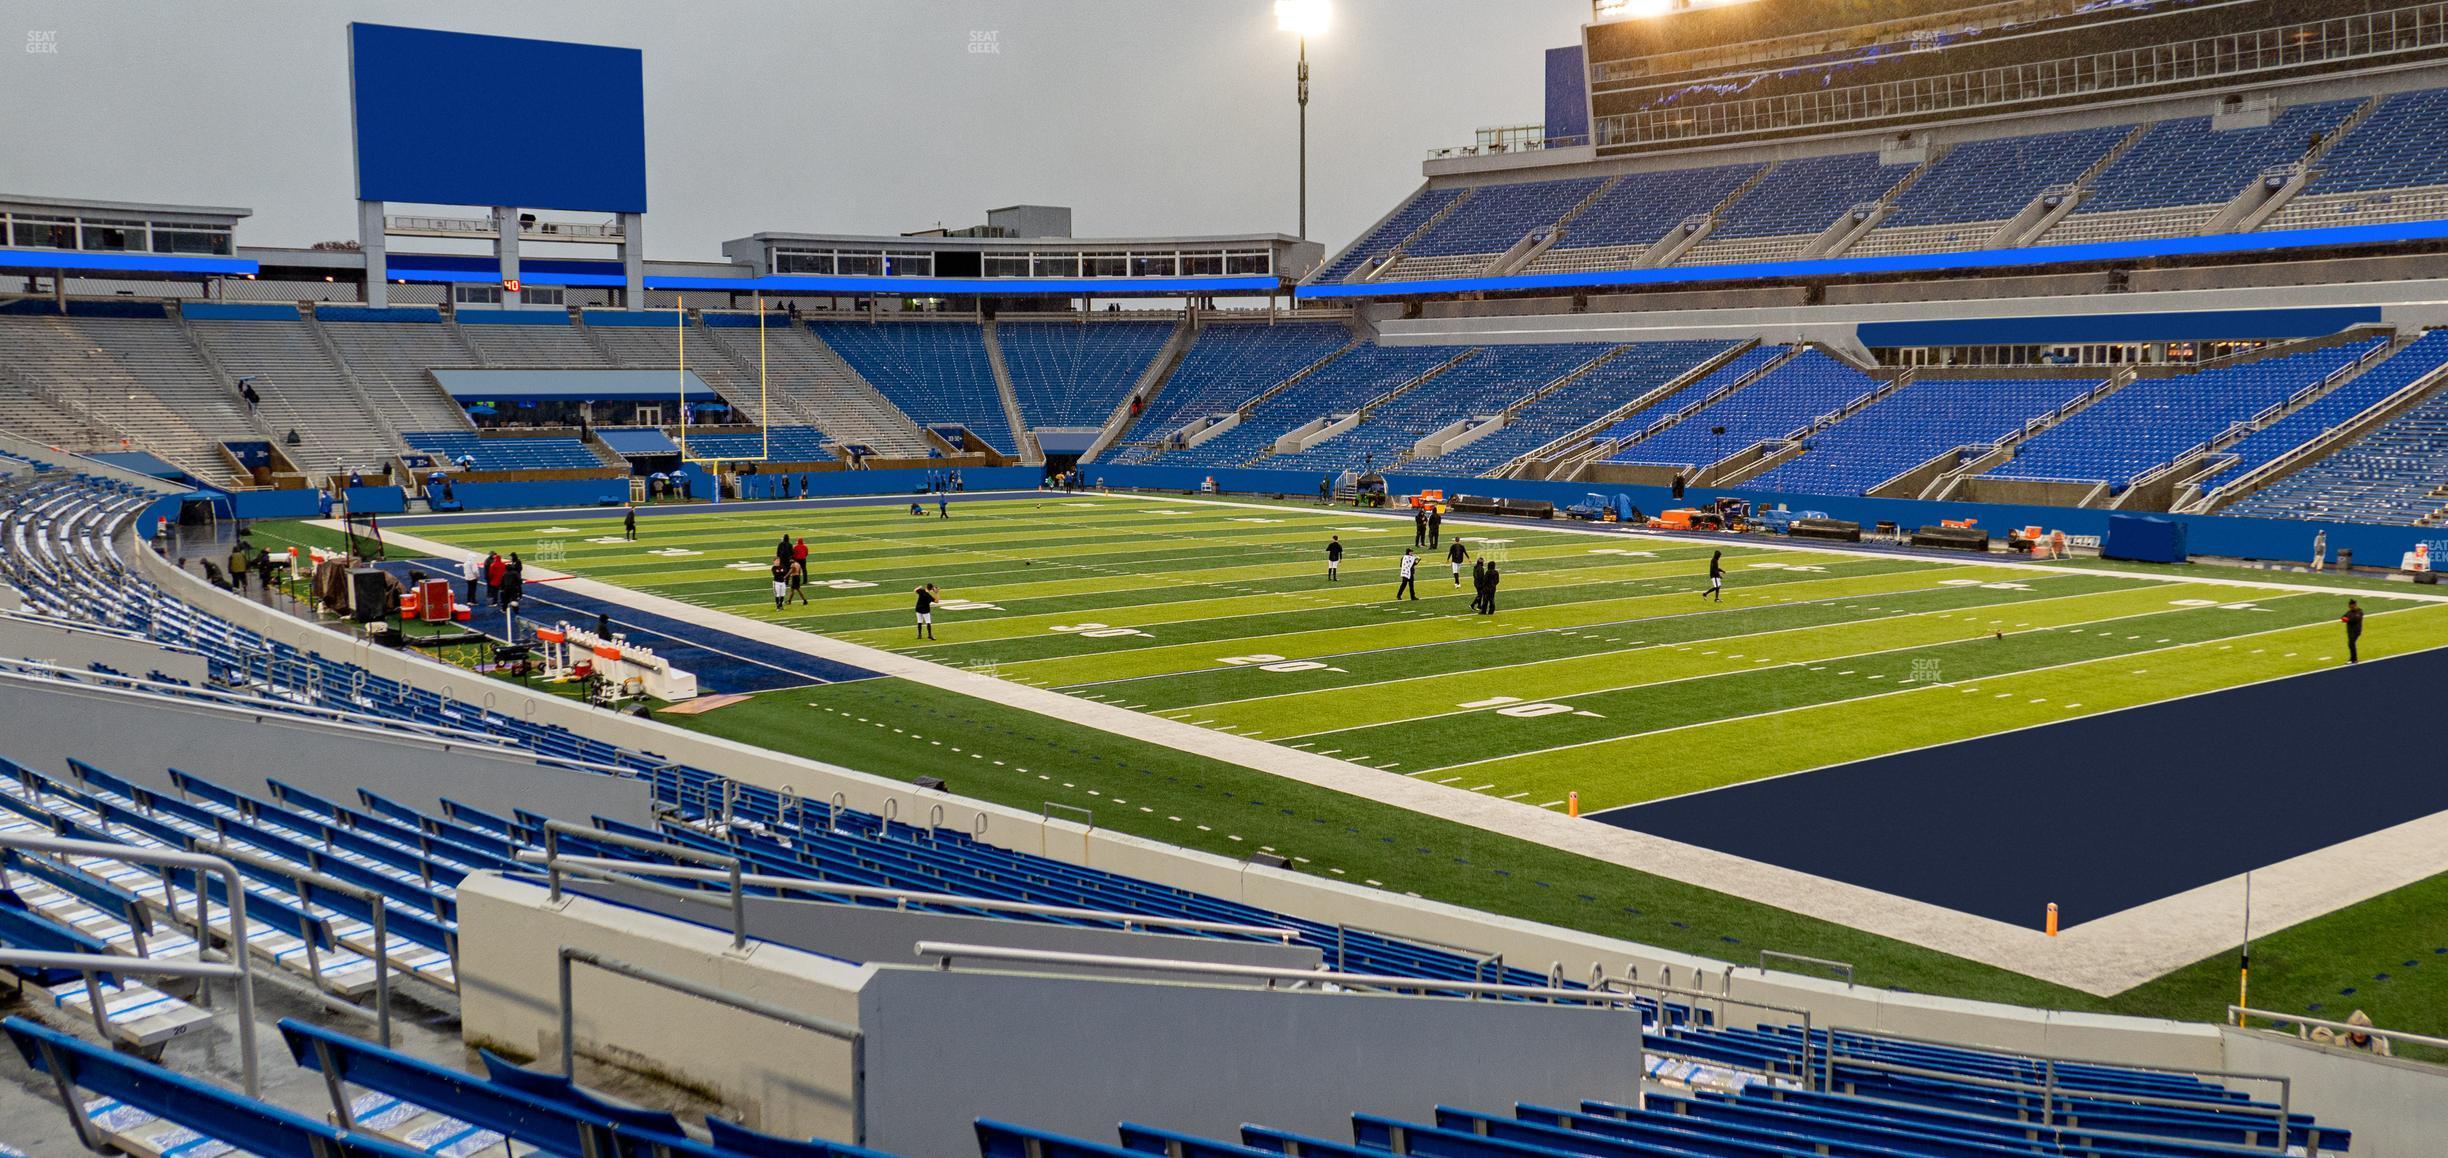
<point>1304,19</point>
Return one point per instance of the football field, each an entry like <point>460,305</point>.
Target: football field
<point>1604,671</point>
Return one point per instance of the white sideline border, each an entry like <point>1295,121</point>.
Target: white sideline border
<point>2103,957</point>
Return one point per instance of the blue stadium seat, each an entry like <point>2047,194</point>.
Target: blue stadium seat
<point>1923,419</point>
<point>1229,364</point>
<point>1076,374</point>
<point>933,371</point>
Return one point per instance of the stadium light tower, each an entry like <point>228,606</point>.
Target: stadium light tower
<point>1302,18</point>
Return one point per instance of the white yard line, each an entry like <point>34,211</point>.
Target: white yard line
<point>2104,957</point>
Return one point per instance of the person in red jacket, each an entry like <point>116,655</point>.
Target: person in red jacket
<point>494,569</point>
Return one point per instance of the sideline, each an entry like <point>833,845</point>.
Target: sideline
<point>2104,957</point>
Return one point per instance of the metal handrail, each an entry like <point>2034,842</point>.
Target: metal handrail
<point>382,936</point>
<point>2237,1014</point>
<point>907,897</point>
<point>1608,997</point>
<point>1480,958</point>
<point>2052,1093</point>
<point>240,964</point>
<point>555,829</point>
<point>1823,962</point>
<point>833,1029</point>
<point>1047,812</point>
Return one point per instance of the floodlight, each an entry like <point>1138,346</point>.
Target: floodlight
<point>1305,18</point>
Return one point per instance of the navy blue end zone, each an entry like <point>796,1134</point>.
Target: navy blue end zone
<point>722,662</point>
<point>2105,813</point>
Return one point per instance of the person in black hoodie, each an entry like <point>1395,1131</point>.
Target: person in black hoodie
<point>2353,619</point>
<point>1479,586</point>
<point>1716,585</point>
<point>1487,604</point>
<point>1334,557</point>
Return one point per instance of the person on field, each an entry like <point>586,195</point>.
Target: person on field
<point>471,570</point>
<point>799,554</point>
<point>928,597</point>
<point>1436,525</point>
<point>1410,571</point>
<point>629,524</point>
<point>2320,549</point>
<point>781,581</point>
<point>1487,602</point>
<point>782,552</point>
<point>798,582</point>
<point>1419,526</point>
<point>495,568</point>
<point>1454,556</point>
<point>2353,619</point>
<point>514,581</point>
<point>1325,490</point>
<point>1478,583</point>
<point>1334,557</point>
<point>1716,587</point>
<point>943,506</point>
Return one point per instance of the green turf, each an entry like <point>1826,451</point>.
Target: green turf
<point>1603,673</point>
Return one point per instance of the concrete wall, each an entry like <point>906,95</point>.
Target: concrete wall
<point>131,735</point>
<point>885,936</point>
<point>2397,1109</point>
<point>773,1076</point>
<point>73,647</point>
<point>952,1046</point>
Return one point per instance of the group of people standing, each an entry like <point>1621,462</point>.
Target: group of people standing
<point>503,580</point>
<point>790,571</point>
<point>1485,574</point>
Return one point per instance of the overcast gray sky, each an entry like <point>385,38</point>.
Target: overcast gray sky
<point>1146,116</point>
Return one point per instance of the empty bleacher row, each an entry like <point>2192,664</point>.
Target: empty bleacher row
<point>1077,373</point>
<point>2154,421</point>
<point>1810,386</point>
<point>1355,378</point>
<point>935,372</point>
<point>2363,161</point>
<point>349,384</point>
<point>1484,383</point>
<point>1633,372</point>
<point>506,453</point>
<point>1924,418</point>
<point>1227,365</point>
<point>2390,475</point>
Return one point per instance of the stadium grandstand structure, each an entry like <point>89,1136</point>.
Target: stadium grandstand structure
<point>1875,423</point>
<point>1314,396</point>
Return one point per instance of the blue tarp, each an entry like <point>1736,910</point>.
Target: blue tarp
<point>2144,539</point>
<point>639,441</point>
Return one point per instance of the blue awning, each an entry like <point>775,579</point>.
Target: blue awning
<point>637,442</point>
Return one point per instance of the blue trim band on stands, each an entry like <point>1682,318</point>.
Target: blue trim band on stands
<point>2177,325</point>
<point>123,262</point>
<point>2220,243</point>
<point>2223,535</point>
<point>957,286</point>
